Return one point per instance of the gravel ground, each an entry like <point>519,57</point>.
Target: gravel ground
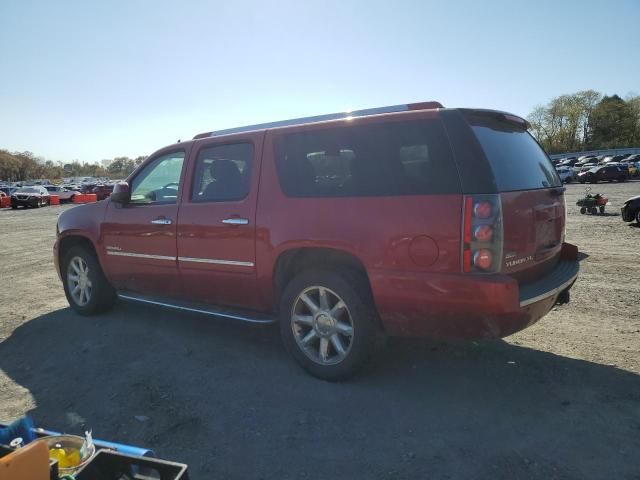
<point>560,400</point>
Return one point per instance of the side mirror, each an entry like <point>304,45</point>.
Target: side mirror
<point>121,193</point>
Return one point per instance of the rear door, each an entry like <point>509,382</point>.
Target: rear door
<point>531,194</point>
<point>216,224</point>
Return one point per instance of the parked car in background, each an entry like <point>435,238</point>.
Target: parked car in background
<point>8,190</point>
<point>604,173</point>
<point>611,159</point>
<point>102,191</point>
<point>567,175</point>
<point>570,162</point>
<point>65,194</point>
<point>370,222</point>
<point>35,196</point>
<point>577,169</point>
<point>630,210</point>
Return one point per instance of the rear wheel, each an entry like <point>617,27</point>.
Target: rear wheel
<point>583,210</point>
<point>602,209</point>
<point>622,179</point>
<point>594,210</point>
<point>85,285</point>
<point>638,216</point>
<point>328,322</point>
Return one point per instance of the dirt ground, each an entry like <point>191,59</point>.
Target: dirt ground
<point>560,400</point>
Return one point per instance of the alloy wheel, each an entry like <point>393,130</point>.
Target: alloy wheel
<point>322,325</point>
<point>79,284</point>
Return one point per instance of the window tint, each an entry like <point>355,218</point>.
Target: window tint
<point>222,173</point>
<point>159,181</point>
<point>396,158</point>
<point>517,161</point>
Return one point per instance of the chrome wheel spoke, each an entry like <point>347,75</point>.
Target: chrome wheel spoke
<point>309,337</point>
<point>303,319</point>
<point>324,349</point>
<point>336,341</point>
<point>344,329</point>
<point>309,303</point>
<point>324,301</point>
<point>76,289</point>
<point>337,309</point>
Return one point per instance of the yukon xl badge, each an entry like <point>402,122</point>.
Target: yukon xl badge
<point>513,263</point>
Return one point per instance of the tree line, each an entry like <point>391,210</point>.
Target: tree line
<point>17,166</point>
<point>587,120</point>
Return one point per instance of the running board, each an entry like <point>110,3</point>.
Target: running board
<point>252,317</point>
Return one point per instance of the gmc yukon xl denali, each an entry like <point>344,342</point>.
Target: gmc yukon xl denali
<point>412,220</point>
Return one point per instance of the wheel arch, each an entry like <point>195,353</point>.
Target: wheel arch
<point>293,261</point>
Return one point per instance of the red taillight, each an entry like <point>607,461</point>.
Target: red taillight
<point>483,259</point>
<point>482,233</point>
<point>482,209</point>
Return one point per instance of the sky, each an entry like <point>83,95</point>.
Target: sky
<point>93,80</point>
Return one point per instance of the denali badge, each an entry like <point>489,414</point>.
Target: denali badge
<point>513,263</point>
<point>111,247</point>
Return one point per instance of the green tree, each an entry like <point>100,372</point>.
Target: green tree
<point>612,124</point>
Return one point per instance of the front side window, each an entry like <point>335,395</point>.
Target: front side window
<point>159,181</point>
<point>383,159</point>
<point>222,173</point>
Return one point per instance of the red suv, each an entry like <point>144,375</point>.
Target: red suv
<point>405,220</point>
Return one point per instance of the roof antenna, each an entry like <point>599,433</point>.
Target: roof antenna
<point>178,141</point>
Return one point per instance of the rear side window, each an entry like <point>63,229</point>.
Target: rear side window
<point>395,158</point>
<point>222,173</point>
<point>517,161</point>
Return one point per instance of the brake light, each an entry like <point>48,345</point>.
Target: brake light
<point>482,234</point>
<point>483,259</point>
<point>482,210</point>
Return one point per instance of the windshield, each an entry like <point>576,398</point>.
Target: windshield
<point>517,161</point>
<point>28,190</point>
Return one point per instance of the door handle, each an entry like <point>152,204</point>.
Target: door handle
<point>161,221</point>
<point>236,221</point>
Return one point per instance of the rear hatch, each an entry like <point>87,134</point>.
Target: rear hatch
<point>530,191</point>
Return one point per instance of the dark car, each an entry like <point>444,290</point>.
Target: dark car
<point>102,191</point>
<point>604,173</point>
<point>35,196</point>
<point>631,210</point>
<point>411,220</point>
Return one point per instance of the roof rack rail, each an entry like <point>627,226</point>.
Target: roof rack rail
<point>324,118</point>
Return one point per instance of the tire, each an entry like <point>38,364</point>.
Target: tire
<point>638,216</point>
<point>602,209</point>
<point>581,181</point>
<point>568,180</point>
<point>14,207</point>
<point>583,210</point>
<point>622,179</point>
<point>594,210</point>
<point>101,295</point>
<point>357,317</point>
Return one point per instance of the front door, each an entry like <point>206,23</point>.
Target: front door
<point>139,238</point>
<point>216,222</point>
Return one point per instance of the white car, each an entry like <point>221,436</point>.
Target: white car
<point>567,175</point>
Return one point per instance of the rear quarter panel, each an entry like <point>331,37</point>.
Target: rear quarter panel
<point>376,230</point>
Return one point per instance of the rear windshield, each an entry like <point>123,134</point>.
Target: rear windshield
<point>385,159</point>
<point>517,161</point>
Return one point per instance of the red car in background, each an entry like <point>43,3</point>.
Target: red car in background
<point>406,220</point>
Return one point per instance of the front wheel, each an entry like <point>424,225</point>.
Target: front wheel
<point>85,285</point>
<point>601,208</point>
<point>327,322</point>
<point>638,216</point>
<point>583,210</point>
